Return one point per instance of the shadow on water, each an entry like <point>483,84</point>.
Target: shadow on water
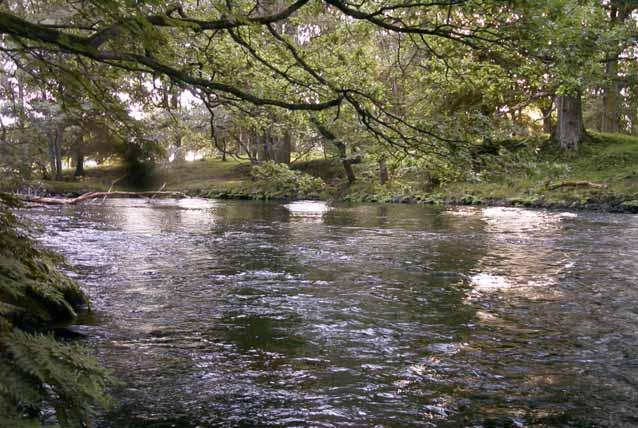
<point>257,315</point>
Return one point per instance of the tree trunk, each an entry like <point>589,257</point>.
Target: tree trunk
<point>547,120</point>
<point>612,99</point>
<point>59,135</point>
<point>79,164</point>
<point>347,163</point>
<point>55,152</point>
<point>253,144</point>
<point>179,152</point>
<point>52,163</point>
<point>570,131</point>
<point>79,154</point>
<point>282,148</point>
<point>341,148</point>
<point>263,149</point>
<point>383,171</point>
<point>26,161</point>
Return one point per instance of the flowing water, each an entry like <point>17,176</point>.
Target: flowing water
<point>241,314</point>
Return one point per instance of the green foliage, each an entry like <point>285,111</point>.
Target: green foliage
<point>275,180</point>
<point>522,158</point>
<point>34,290</point>
<point>37,371</point>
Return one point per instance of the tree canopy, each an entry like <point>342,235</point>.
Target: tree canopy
<point>426,79</point>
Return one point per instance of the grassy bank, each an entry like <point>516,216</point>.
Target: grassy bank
<point>602,174</point>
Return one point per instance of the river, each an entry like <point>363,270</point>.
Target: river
<point>243,314</point>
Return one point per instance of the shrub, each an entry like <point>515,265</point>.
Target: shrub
<point>275,180</point>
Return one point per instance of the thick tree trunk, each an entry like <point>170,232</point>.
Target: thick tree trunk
<point>612,99</point>
<point>569,131</point>
<point>262,147</point>
<point>347,164</point>
<point>282,148</point>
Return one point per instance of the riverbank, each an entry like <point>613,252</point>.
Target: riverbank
<point>601,175</point>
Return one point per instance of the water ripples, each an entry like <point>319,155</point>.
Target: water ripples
<point>250,314</point>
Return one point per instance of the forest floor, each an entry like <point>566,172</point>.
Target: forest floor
<point>602,174</point>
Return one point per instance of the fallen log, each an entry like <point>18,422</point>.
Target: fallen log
<point>575,184</point>
<point>95,195</point>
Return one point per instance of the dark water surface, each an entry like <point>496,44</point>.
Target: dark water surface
<point>245,314</point>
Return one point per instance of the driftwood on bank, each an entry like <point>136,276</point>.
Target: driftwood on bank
<point>95,195</point>
<point>575,184</point>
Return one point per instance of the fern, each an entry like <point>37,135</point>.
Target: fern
<point>38,372</point>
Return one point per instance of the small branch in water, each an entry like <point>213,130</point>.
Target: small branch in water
<point>161,188</point>
<point>113,184</point>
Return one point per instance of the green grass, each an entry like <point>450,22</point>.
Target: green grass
<point>210,174</point>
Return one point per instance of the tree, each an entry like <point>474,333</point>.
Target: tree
<point>266,56</point>
<point>619,38</point>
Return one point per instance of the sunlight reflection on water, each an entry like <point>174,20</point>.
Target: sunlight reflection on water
<point>312,210</point>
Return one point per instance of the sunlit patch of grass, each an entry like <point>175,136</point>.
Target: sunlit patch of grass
<point>203,174</point>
